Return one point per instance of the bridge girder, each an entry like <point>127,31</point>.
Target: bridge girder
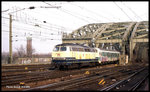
<point>123,35</point>
<point>139,35</point>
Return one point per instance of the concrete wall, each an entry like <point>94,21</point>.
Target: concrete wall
<point>33,60</point>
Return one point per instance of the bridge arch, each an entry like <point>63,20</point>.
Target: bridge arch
<point>121,36</point>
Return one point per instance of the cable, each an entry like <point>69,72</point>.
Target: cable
<point>63,20</point>
<point>123,11</point>
<point>33,33</point>
<point>89,10</point>
<point>53,25</point>
<point>39,27</point>
<point>66,11</point>
<point>82,15</point>
<point>5,10</point>
<point>52,28</point>
<point>44,37</point>
<point>132,11</point>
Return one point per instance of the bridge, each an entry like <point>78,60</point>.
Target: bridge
<point>130,38</point>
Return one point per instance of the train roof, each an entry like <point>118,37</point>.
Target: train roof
<point>82,45</point>
<point>73,44</point>
<point>104,50</point>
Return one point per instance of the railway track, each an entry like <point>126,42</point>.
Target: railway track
<point>130,83</point>
<point>84,80</point>
<point>9,69</point>
<point>28,77</point>
<point>96,73</point>
<point>22,66</point>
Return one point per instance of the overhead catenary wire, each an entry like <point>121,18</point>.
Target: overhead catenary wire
<point>84,16</point>
<point>66,11</point>
<point>132,11</point>
<point>95,13</point>
<point>137,16</point>
<point>50,28</point>
<point>35,24</point>
<point>36,34</point>
<point>68,29</point>
<point>123,11</point>
<point>71,12</point>
<point>43,24</point>
<point>33,36</point>
<point>63,29</point>
<point>5,10</point>
<point>20,31</point>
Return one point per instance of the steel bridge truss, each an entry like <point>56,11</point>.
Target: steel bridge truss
<point>121,36</point>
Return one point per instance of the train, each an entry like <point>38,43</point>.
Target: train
<point>68,54</point>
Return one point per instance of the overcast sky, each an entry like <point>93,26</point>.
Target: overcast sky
<point>48,20</point>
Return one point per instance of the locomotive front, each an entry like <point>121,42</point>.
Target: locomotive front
<point>61,56</point>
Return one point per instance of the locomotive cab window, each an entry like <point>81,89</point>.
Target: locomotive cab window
<point>63,48</point>
<point>87,50</point>
<point>56,49</point>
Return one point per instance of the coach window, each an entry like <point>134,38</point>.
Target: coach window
<point>113,55</point>
<point>105,53</point>
<point>79,49</point>
<point>108,54</point>
<point>63,49</point>
<point>70,48</point>
<point>76,49</point>
<point>102,53</point>
<point>86,50</point>
<point>73,49</point>
<point>92,50</point>
<point>96,50</point>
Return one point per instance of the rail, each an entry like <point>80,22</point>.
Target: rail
<point>126,80</point>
